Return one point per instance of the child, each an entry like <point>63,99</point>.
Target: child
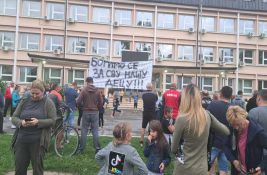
<point>168,124</point>
<point>119,157</point>
<point>156,150</point>
<point>116,104</point>
<point>135,102</point>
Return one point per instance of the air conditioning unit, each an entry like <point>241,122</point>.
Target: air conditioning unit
<point>5,48</point>
<point>46,18</point>
<point>241,63</point>
<point>57,51</point>
<point>116,24</point>
<point>221,63</point>
<point>191,30</point>
<point>250,34</point>
<point>71,20</point>
<point>203,31</point>
<point>262,35</point>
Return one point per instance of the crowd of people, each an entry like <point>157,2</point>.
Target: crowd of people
<point>180,127</point>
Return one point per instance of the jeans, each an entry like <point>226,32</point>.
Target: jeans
<point>222,160</point>
<point>89,119</point>
<point>70,119</point>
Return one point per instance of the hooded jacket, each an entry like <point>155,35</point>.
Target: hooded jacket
<point>256,142</point>
<point>91,99</point>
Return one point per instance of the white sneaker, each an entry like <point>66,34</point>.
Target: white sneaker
<point>10,118</point>
<point>13,126</point>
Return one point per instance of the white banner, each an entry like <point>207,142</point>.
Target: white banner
<point>129,75</point>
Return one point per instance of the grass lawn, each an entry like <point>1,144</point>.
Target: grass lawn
<point>82,164</point>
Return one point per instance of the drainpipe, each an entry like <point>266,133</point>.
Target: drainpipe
<point>237,54</point>
<point>14,78</point>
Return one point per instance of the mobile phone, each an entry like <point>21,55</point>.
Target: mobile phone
<point>28,119</point>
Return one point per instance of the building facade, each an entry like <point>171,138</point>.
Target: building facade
<point>216,43</point>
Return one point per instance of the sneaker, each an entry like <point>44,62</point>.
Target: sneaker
<point>10,118</point>
<point>141,143</point>
<point>96,151</point>
<point>13,126</point>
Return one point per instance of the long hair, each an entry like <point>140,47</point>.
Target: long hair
<point>161,142</point>
<point>121,132</point>
<point>191,107</point>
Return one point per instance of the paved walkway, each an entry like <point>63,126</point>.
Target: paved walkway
<point>134,118</point>
<point>45,173</point>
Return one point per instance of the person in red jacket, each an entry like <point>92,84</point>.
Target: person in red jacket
<point>8,99</point>
<point>171,98</point>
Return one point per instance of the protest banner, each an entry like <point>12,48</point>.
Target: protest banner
<point>129,75</point>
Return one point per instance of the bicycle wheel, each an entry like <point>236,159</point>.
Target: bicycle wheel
<point>66,141</point>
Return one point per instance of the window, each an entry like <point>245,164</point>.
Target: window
<point>185,53</point>
<point>101,15</point>
<point>168,81</point>
<point>165,51</point>
<point>123,17</point>
<point>79,13</point>
<point>100,47</point>
<point>29,41</point>
<point>144,19</point>
<point>246,26</point>
<point>77,45</point>
<point>208,24</point>
<point>6,72</point>
<point>206,83</point>
<point>120,46</point>
<point>208,53</point>
<point>165,21</point>
<point>262,84</point>
<point>32,8</point>
<point>245,86</point>
<point>52,75</point>
<point>183,81</point>
<point>53,42</point>
<point>227,25</point>
<point>263,57</point>
<point>231,82</point>
<point>8,7</point>
<point>186,22</point>
<point>55,11</point>
<point>144,47</point>
<point>226,55</point>
<point>7,39</point>
<point>246,56</point>
<point>28,74</point>
<point>77,76</point>
<point>263,27</point>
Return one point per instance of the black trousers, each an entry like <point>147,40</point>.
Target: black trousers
<point>8,103</point>
<point>115,109</point>
<point>26,153</point>
<point>101,119</point>
<point>80,110</point>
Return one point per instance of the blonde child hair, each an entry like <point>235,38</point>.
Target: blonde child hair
<point>121,133</point>
<point>235,112</point>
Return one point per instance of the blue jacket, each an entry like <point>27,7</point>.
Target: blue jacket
<point>70,97</point>
<point>155,158</point>
<point>15,99</point>
<point>256,142</point>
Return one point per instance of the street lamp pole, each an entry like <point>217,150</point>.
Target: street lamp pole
<point>65,38</point>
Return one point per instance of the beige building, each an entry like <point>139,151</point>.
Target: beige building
<point>231,43</point>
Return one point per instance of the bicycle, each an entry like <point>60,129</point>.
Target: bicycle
<point>67,138</point>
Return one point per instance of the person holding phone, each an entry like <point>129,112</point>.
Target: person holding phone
<point>244,148</point>
<point>33,118</point>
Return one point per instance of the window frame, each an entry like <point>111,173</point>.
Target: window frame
<point>206,26</point>
<point>225,57</point>
<point>243,31</point>
<point>204,55</point>
<point>183,84</point>
<point>244,58</point>
<point>51,45</point>
<point>25,74</point>
<point>4,74</point>
<point>74,45</point>
<point>165,22</point>
<point>204,86</point>
<point>225,26</point>
<point>263,28</point>
<point>53,12</point>
<point>245,88</point>
<point>143,21</point>
<point>183,52</point>
<point>98,18</point>
<point>3,42</point>
<point>167,85</point>
<point>264,57</point>
<point>75,78</point>
<point>162,56</point>
<point>262,82</point>
<point>74,13</point>
<point>50,77</point>
<point>120,47</point>
<point>11,8</point>
<point>29,10</point>
<point>98,44</point>
<point>141,48</point>
<point>28,42</point>
<point>120,17</point>
<point>187,23</point>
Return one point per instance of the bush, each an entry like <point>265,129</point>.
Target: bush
<point>3,86</point>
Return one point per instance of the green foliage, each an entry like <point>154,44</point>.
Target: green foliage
<point>3,86</point>
<point>84,164</point>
